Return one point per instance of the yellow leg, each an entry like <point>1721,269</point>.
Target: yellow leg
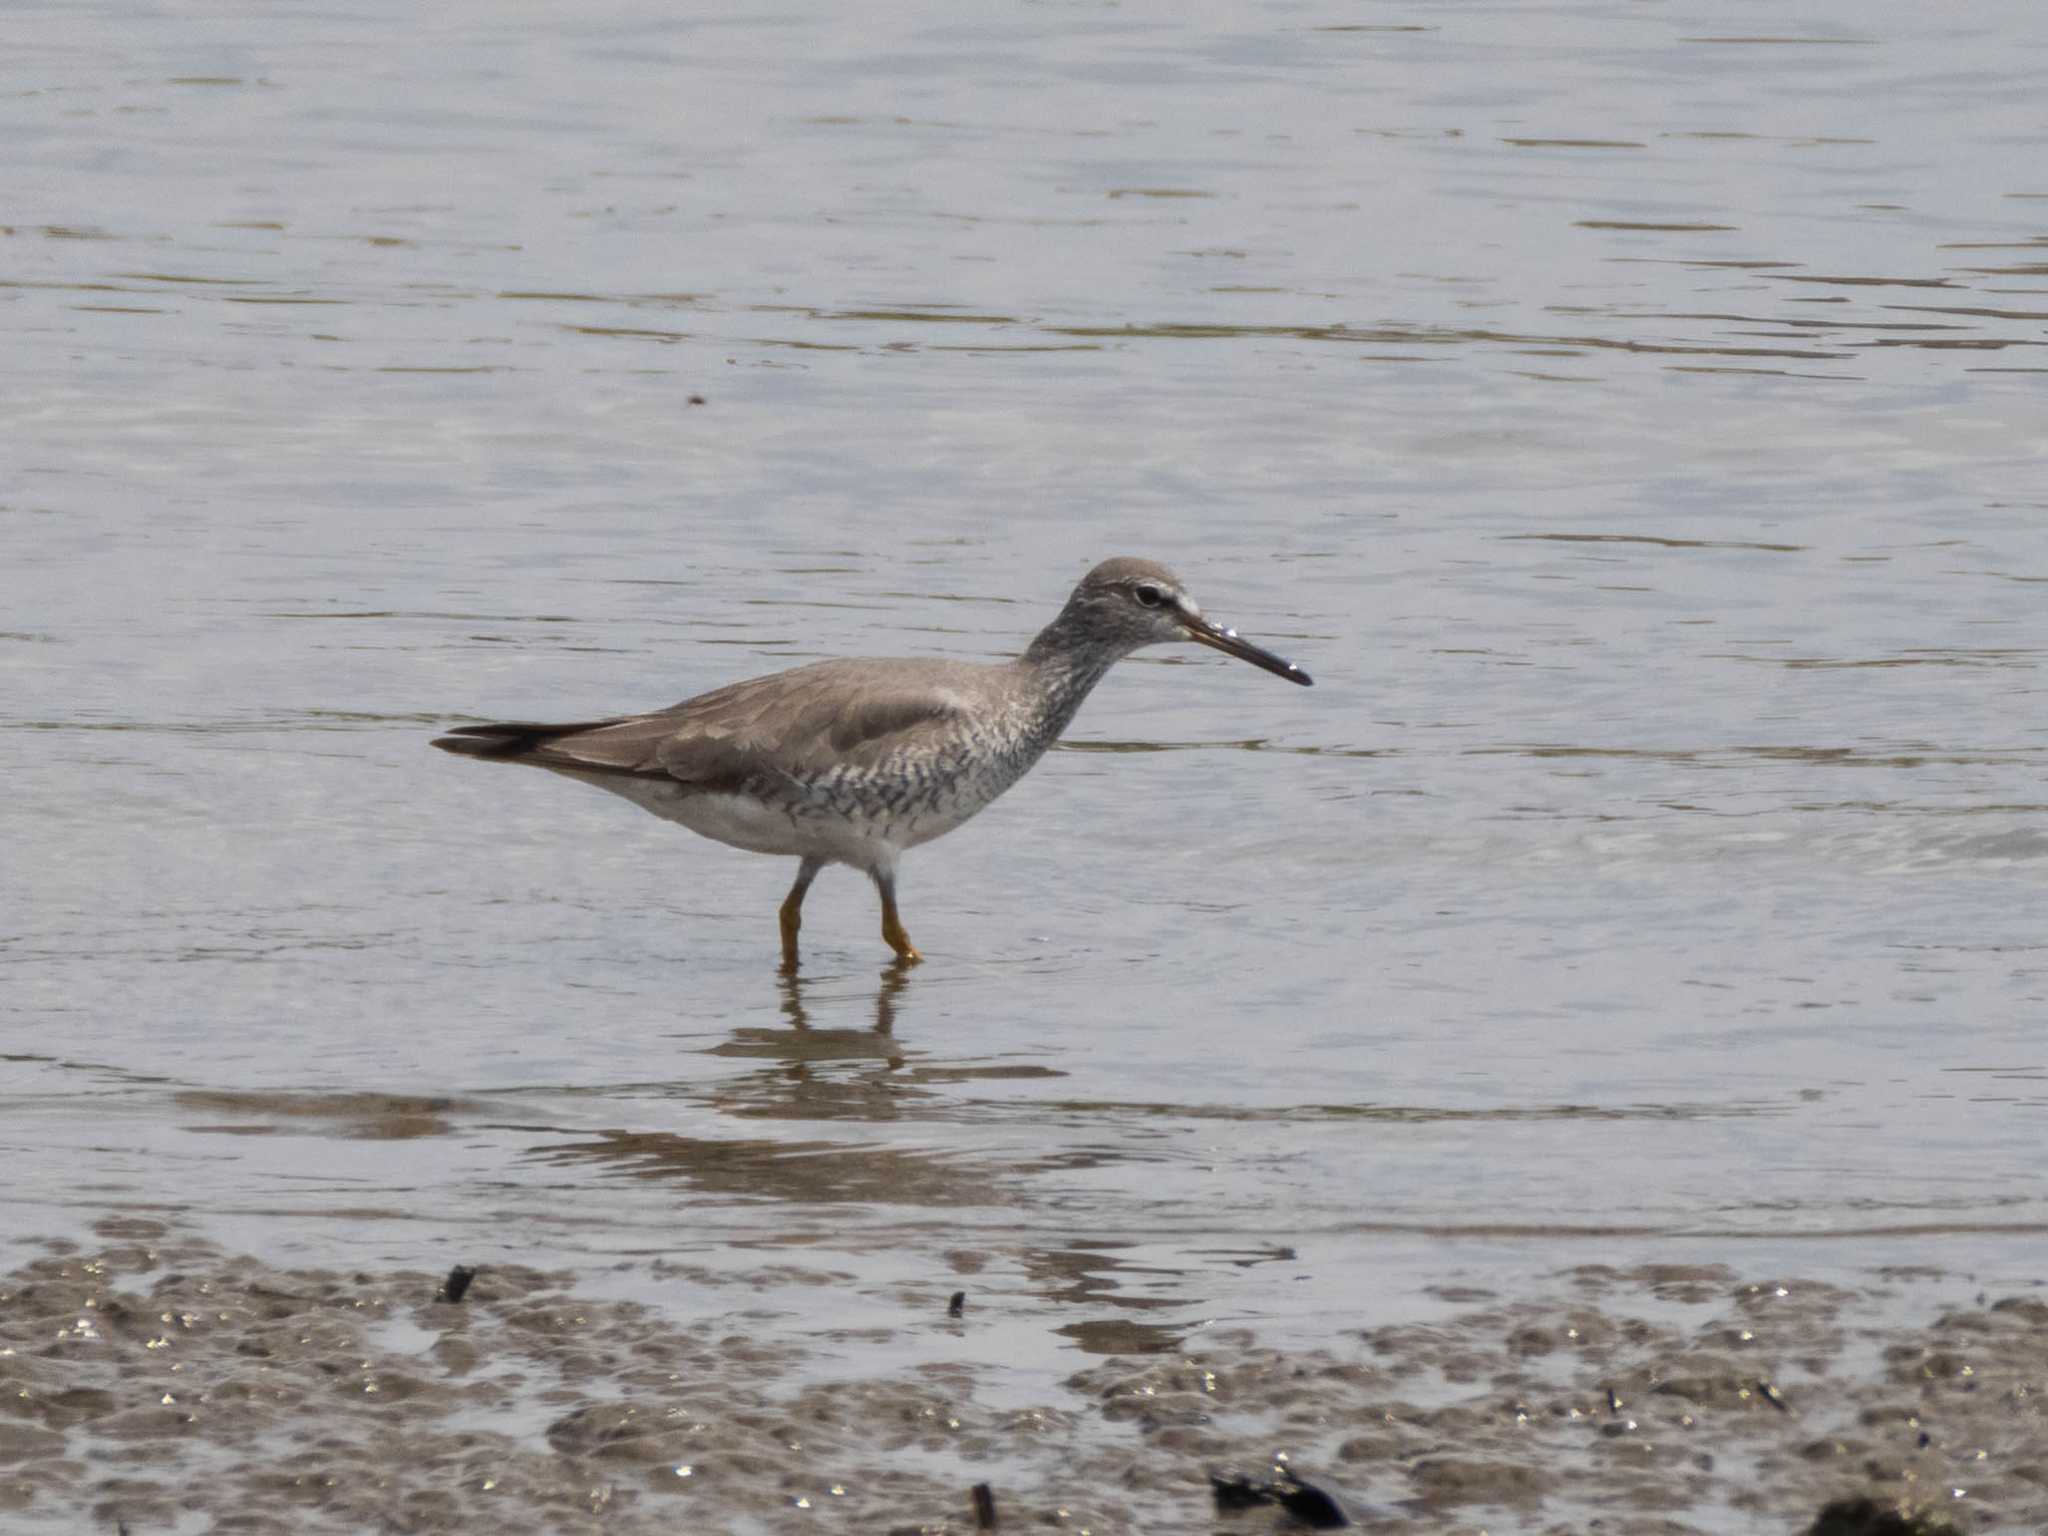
<point>791,913</point>
<point>892,925</point>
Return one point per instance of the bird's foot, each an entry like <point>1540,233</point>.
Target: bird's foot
<point>894,936</point>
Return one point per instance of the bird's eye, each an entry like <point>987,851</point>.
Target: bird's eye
<point>1148,597</point>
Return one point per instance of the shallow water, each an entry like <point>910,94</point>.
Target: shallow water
<point>1632,417</point>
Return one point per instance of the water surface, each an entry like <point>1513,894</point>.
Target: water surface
<point>1631,415</point>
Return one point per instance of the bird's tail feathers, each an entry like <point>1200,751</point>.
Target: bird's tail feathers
<point>508,739</point>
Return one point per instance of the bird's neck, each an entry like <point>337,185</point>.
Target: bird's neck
<point>1064,668</point>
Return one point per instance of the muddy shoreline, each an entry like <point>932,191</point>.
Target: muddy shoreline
<point>153,1381</point>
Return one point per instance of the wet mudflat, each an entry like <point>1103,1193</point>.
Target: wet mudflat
<point>153,1381</point>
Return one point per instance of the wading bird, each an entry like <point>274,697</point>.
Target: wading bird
<point>851,762</point>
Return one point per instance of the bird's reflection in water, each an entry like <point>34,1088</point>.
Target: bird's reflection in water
<point>895,979</point>
<point>814,1072</point>
<point>809,1078</point>
<point>804,1073</point>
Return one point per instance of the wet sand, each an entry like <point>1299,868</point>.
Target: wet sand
<point>154,1382</point>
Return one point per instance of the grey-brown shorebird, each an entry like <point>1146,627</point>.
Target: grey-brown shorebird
<point>851,762</point>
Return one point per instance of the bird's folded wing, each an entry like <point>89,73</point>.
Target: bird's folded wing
<point>795,725</point>
<point>807,724</point>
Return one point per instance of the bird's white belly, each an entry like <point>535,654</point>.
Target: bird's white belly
<point>742,821</point>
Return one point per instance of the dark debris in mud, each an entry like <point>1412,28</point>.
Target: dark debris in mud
<point>1867,1517</point>
<point>1302,1500</point>
<point>158,1382</point>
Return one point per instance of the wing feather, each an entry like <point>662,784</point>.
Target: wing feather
<point>800,724</point>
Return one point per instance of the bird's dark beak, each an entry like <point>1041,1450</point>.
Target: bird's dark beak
<point>1229,643</point>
